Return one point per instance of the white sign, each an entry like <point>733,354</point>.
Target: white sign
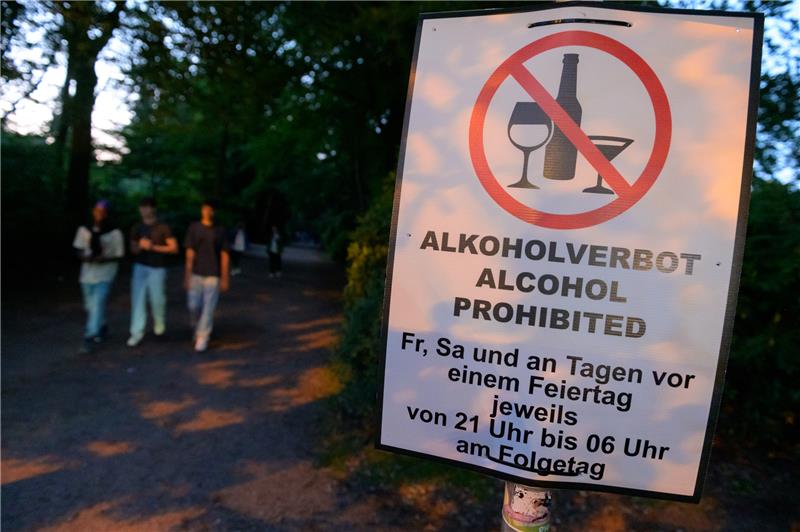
<point>567,240</point>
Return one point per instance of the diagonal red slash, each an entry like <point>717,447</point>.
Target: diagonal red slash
<point>570,129</point>
<point>512,67</point>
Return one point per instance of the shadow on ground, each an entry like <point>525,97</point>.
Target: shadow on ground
<point>159,437</point>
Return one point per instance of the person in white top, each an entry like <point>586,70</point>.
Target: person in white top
<point>100,247</point>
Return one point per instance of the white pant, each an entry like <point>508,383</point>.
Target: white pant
<point>202,300</point>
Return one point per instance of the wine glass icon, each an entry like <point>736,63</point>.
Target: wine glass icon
<point>610,147</point>
<point>528,125</point>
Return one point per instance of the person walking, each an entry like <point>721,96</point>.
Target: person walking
<point>150,243</point>
<point>100,246</point>
<point>206,272</point>
<point>238,248</point>
<point>274,250</point>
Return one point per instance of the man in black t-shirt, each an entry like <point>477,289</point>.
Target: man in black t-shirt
<point>150,242</point>
<point>206,272</point>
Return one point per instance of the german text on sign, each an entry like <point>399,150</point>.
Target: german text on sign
<point>567,241</point>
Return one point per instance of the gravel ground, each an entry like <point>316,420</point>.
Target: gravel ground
<point>161,438</point>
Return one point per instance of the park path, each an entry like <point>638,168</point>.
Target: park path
<point>161,438</point>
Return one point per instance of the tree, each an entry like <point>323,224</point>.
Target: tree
<point>207,77</point>
<point>26,73</point>
<point>80,30</point>
<point>86,28</point>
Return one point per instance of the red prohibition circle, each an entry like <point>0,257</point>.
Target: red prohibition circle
<point>512,67</point>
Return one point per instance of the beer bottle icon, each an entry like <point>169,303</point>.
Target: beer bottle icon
<point>560,156</point>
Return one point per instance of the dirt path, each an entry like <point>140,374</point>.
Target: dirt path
<point>161,438</point>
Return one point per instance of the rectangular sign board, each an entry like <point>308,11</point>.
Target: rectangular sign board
<point>566,243</point>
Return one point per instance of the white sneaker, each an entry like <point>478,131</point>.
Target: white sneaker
<point>133,341</point>
<point>159,330</point>
<point>200,344</point>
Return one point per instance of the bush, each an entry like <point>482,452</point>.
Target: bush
<point>357,356</point>
<point>33,231</point>
<point>761,393</point>
<point>764,364</point>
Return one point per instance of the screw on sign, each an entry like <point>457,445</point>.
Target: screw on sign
<point>561,117</point>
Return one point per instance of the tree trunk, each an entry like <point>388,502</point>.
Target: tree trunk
<point>80,153</point>
<point>82,52</point>
<point>61,123</point>
<point>222,161</point>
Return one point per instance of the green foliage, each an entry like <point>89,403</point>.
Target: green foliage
<point>294,110</point>
<point>32,192</point>
<point>356,359</point>
<point>204,75</point>
<point>765,359</point>
<point>357,356</point>
<point>764,366</point>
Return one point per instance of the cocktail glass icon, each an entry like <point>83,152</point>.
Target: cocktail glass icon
<point>529,128</point>
<point>610,147</point>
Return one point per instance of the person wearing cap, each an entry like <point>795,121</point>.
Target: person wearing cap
<point>100,246</point>
<point>150,242</point>
<point>206,272</point>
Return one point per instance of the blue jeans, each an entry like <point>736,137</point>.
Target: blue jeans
<point>95,296</point>
<point>202,300</point>
<point>148,282</point>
